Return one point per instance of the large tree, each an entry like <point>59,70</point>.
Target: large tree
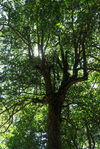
<point>46,47</point>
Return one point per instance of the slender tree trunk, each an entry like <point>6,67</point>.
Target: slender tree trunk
<point>93,142</point>
<point>89,138</point>
<point>75,144</point>
<point>54,122</point>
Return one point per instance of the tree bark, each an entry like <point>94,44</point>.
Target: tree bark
<point>54,122</point>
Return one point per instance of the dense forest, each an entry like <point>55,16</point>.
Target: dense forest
<point>49,74</point>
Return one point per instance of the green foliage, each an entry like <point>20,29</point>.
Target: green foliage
<point>83,106</point>
<point>29,129</point>
<point>46,46</point>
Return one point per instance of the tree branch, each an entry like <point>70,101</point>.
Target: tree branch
<point>93,57</point>
<point>16,32</point>
<point>34,100</point>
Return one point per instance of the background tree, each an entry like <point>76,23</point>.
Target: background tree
<point>46,47</point>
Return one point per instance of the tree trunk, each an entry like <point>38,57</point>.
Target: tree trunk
<point>89,138</point>
<point>93,147</point>
<point>54,122</point>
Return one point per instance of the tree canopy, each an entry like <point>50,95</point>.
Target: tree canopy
<point>46,48</point>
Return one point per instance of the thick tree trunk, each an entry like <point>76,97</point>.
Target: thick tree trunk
<point>54,122</point>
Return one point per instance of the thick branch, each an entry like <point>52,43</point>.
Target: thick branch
<point>64,59</point>
<point>72,80</point>
<point>45,69</point>
<point>47,78</point>
<point>84,59</point>
<point>75,72</point>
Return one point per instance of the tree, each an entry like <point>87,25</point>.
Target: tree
<point>46,47</point>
